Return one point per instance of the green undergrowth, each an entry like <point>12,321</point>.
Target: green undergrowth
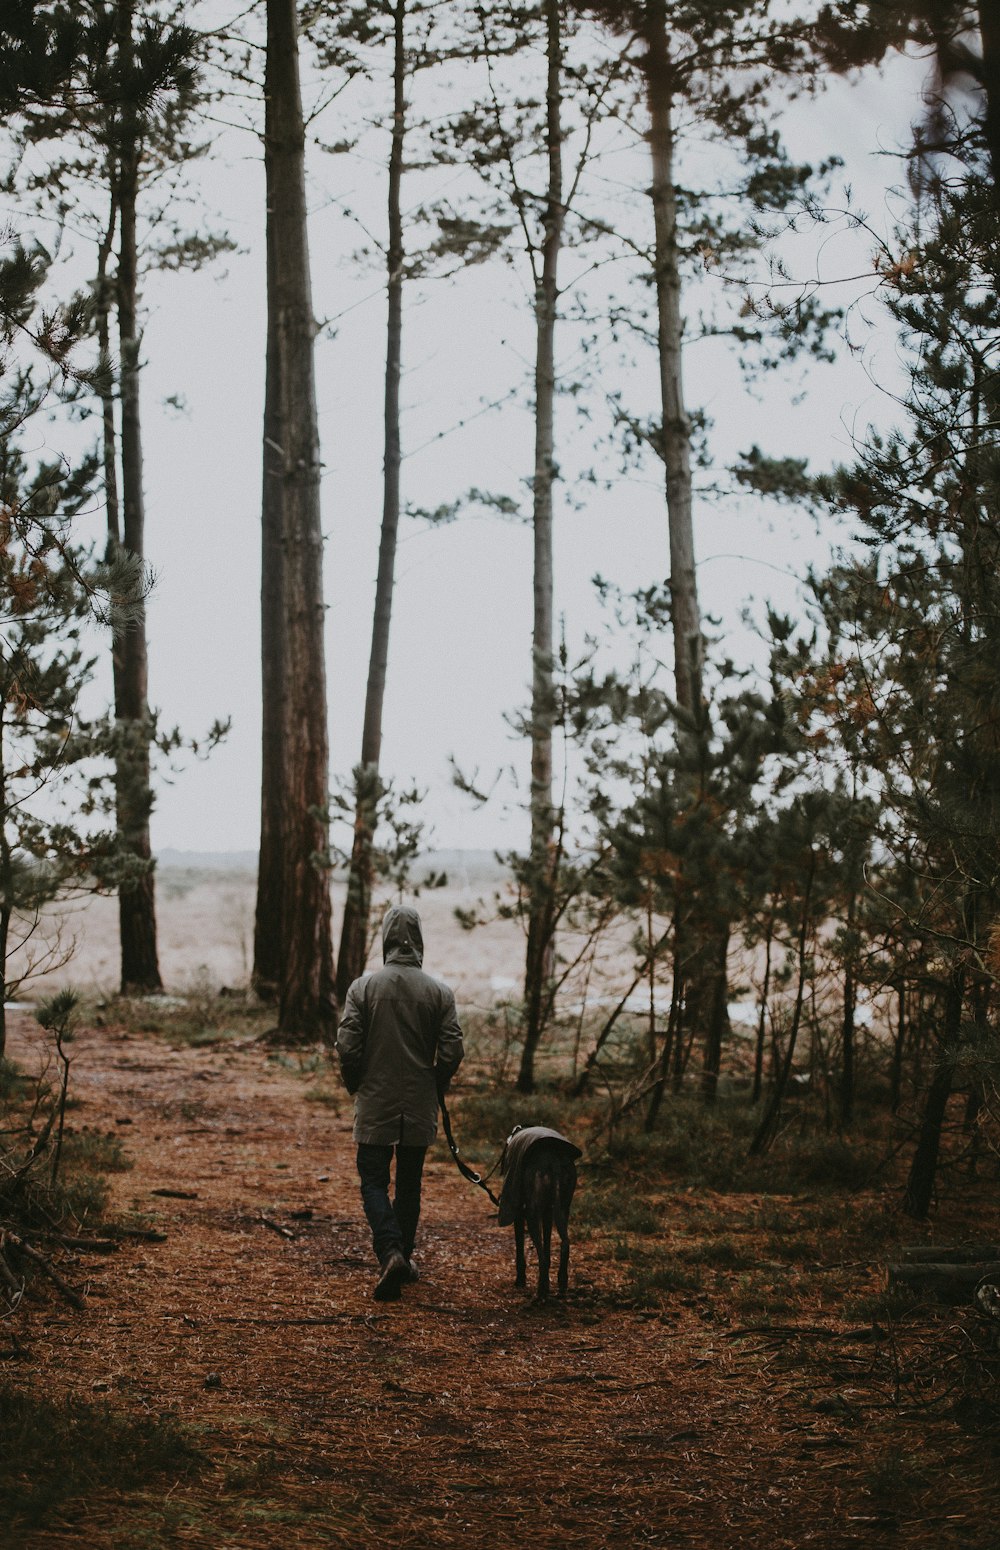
<point>199,1018</point>
<point>58,1450</point>
<point>81,1189</point>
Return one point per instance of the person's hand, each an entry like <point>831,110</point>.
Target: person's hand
<point>441,1081</point>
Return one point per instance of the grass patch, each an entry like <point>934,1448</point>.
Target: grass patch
<point>56,1451</point>
<point>719,1253</point>
<point>617,1206</point>
<point>327,1097</point>
<point>886,1307</point>
<point>197,1020</point>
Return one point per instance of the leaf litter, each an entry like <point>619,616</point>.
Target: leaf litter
<point>464,1414</point>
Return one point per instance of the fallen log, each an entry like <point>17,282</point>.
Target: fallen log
<point>949,1253</point>
<point>84,1245</point>
<point>948,1282</point>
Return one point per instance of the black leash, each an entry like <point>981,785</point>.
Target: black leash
<point>463,1168</point>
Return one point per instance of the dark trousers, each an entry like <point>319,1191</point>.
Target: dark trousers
<point>393,1223</point>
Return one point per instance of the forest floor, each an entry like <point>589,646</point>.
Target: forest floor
<point>465,1414</point>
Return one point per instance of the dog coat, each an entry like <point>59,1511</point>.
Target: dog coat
<point>515,1154</point>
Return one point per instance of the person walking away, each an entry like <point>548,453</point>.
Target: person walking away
<point>399,1045</point>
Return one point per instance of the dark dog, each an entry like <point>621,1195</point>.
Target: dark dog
<point>539,1172</point>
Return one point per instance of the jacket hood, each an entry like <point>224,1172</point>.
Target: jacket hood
<point>402,939</point>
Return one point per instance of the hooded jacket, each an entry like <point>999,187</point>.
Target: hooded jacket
<point>399,1037</point>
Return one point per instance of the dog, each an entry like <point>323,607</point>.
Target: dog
<point>539,1173</point>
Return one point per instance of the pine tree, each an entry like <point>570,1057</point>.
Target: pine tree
<point>293,941</point>
<point>924,613</point>
<point>533,153</point>
<point>121,122</point>
<point>414,37</point>
<point>56,768</point>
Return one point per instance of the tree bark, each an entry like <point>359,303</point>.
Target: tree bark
<point>109,439</point>
<point>357,905</point>
<point>266,977</point>
<point>676,433</point>
<point>306,1007</point>
<point>140,970</point>
<point>543,858</point>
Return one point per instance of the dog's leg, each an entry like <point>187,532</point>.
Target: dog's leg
<point>564,1198</point>
<point>521,1269</point>
<point>540,1226</point>
<point>562,1227</point>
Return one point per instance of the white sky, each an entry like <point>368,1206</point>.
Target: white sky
<point>460,652</point>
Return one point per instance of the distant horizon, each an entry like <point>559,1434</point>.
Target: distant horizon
<point>438,857</point>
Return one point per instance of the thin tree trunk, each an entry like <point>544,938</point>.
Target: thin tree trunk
<point>6,890</point>
<point>109,438</point>
<point>758,1059</point>
<point>898,1046</point>
<point>718,1014</point>
<point>306,1007</point>
<point>136,899</point>
<point>920,1182</point>
<point>651,1026</point>
<point>769,1123</point>
<point>676,443</point>
<point>5,914</point>
<point>989,29</point>
<point>847,1077</point>
<point>608,1026</point>
<point>357,906</point>
<point>541,916</point>
<point>673,1033</point>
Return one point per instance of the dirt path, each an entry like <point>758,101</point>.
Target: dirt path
<point>460,1416</point>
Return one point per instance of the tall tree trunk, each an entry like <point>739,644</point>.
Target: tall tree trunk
<point>136,901</point>
<point>357,906</point>
<point>267,947</point>
<point>676,443</point>
<point>543,862</point>
<point>989,29</point>
<point>109,439</point>
<point>306,1008</point>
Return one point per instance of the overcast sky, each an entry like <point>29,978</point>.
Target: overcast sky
<point>460,652</point>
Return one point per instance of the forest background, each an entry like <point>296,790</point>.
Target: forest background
<point>735,396</point>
